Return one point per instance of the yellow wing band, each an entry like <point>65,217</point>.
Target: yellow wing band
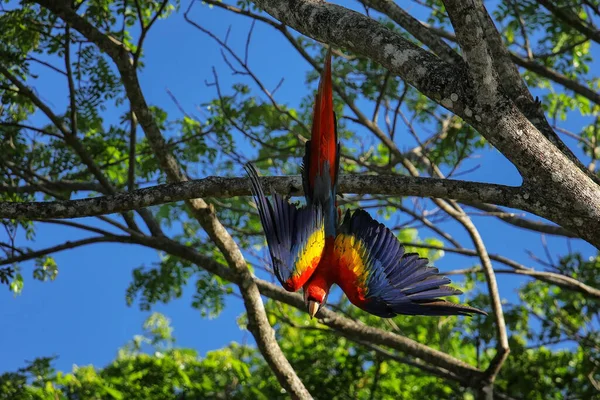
<point>313,250</point>
<point>352,255</point>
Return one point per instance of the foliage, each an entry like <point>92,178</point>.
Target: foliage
<point>332,367</point>
<point>82,147</point>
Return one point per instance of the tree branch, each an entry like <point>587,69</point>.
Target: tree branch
<point>72,99</point>
<point>557,77</point>
<point>565,282</point>
<point>427,223</point>
<point>228,187</point>
<point>514,86</point>
<point>524,223</point>
<point>33,128</point>
<point>65,246</point>
<point>132,147</point>
<point>73,141</point>
<point>566,14</point>
<point>28,93</point>
<point>416,28</point>
<point>442,373</point>
<point>70,186</point>
<point>532,66</point>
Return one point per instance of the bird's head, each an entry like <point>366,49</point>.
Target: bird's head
<point>315,294</point>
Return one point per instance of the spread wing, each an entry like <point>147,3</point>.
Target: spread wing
<point>380,278</point>
<point>295,236</point>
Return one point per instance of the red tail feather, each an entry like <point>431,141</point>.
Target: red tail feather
<point>323,146</point>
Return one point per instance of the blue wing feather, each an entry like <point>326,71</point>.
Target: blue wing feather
<point>292,234</point>
<point>394,282</point>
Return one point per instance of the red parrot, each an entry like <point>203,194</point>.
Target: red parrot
<point>310,249</point>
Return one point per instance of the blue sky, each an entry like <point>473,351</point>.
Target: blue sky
<point>82,316</point>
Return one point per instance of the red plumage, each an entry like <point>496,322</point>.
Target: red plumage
<point>323,144</point>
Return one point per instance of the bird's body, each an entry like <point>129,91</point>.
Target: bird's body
<point>311,249</point>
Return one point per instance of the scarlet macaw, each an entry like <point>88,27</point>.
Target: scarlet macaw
<point>310,249</point>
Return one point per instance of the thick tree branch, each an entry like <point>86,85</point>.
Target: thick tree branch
<point>229,187</point>
<point>416,28</point>
<point>235,186</point>
<point>532,66</point>
<point>515,88</point>
<point>509,77</point>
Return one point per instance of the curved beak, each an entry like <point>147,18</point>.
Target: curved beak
<point>313,308</point>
